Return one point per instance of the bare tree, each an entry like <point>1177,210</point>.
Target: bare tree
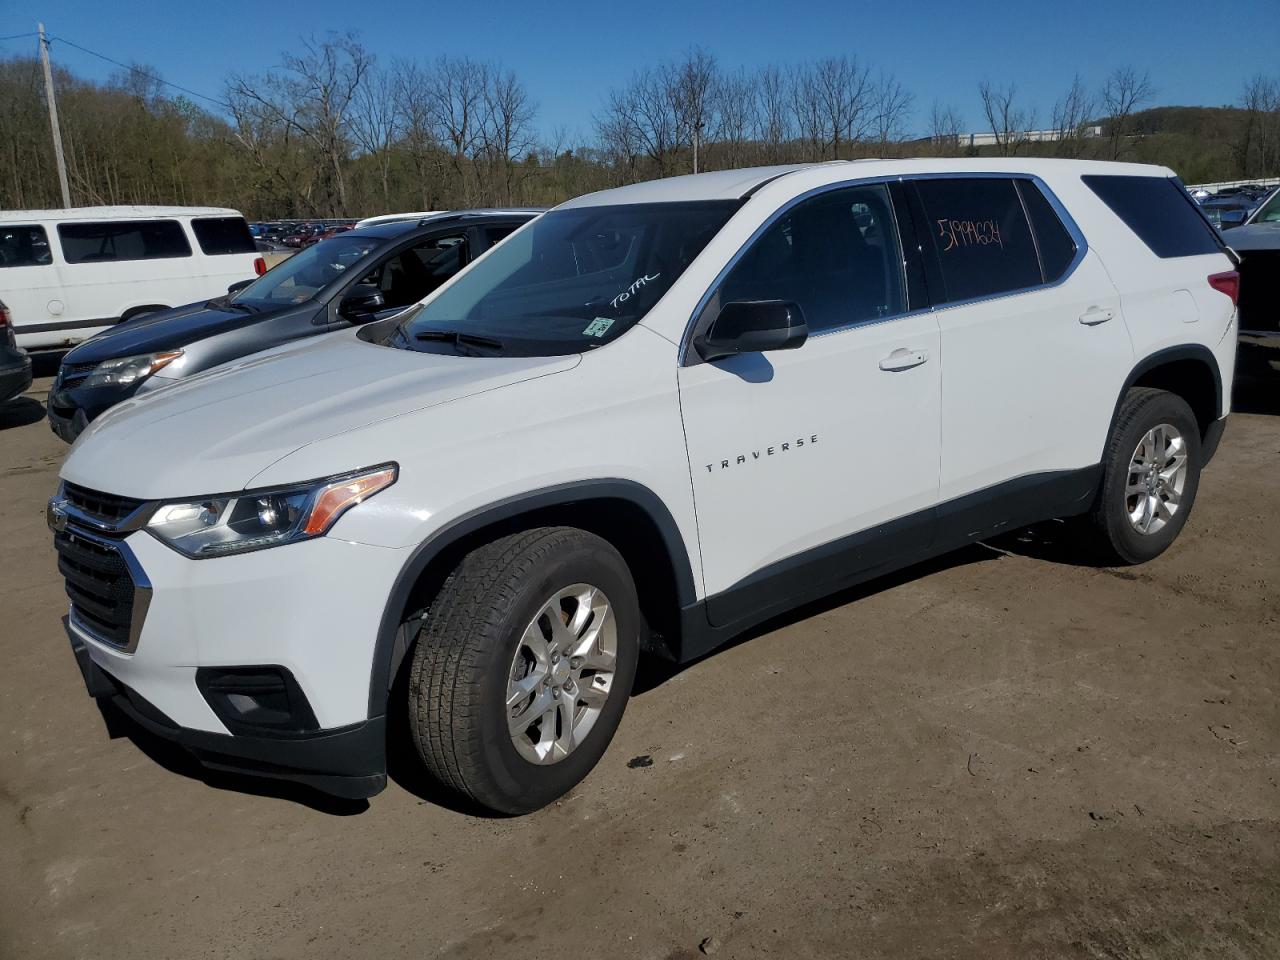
<point>735,110</point>
<point>1122,93</point>
<point>773,114</point>
<point>1009,122</point>
<point>456,90</point>
<point>944,128</point>
<point>415,113</point>
<point>690,85</point>
<point>507,128</point>
<point>1257,146</point>
<point>841,89</point>
<point>1071,114</point>
<point>312,97</point>
<point>375,123</point>
<point>641,119</point>
<point>891,102</point>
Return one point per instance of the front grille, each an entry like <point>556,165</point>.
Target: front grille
<point>98,584</point>
<point>71,374</point>
<point>1260,290</point>
<point>105,507</point>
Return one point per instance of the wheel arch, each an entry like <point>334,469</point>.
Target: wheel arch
<point>1191,371</point>
<point>143,308</point>
<point>627,514</point>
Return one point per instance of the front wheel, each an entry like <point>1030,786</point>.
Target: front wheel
<point>523,667</point>
<point>1151,475</point>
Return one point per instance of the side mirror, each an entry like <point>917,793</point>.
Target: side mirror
<point>240,285</point>
<point>1232,218</point>
<point>753,326</point>
<point>362,302</point>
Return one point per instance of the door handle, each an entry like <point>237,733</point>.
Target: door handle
<point>903,359</point>
<point>1096,315</point>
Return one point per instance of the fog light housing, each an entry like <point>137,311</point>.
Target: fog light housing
<point>256,701</point>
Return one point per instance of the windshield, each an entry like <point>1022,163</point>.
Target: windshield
<point>1269,212</point>
<point>573,280</point>
<point>307,272</point>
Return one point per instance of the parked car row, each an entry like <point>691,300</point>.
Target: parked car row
<point>297,234</point>
<point>1231,206</point>
<point>645,422</point>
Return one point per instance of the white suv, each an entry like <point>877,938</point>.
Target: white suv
<point>650,419</point>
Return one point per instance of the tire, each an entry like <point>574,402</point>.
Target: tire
<point>1111,536</point>
<point>480,638</point>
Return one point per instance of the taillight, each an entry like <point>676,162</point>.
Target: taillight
<point>259,266</point>
<point>4,315</point>
<point>1228,283</point>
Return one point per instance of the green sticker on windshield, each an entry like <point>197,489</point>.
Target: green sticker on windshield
<point>598,327</point>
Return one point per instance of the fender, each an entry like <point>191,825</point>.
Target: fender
<point>387,652</point>
<point>1187,351</point>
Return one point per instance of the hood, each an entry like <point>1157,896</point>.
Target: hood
<point>165,330</point>
<point>215,431</point>
<point>1253,236</point>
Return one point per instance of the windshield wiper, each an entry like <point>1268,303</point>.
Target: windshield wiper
<point>459,340</point>
<point>236,305</point>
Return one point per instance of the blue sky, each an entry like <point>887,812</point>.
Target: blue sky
<point>569,55</point>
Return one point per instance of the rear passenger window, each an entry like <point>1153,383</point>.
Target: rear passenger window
<point>222,235</point>
<point>122,240</point>
<point>837,255</point>
<point>1056,247</point>
<point>24,247</point>
<point>1160,212</point>
<point>981,237</point>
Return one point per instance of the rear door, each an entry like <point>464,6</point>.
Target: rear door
<point>1036,350</point>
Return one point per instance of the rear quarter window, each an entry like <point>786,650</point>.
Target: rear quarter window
<point>223,235</point>
<point>111,241</point>
<point>981,237</point>
<point>1160,212</point>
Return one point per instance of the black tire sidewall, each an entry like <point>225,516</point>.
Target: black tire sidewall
<point>522,785</point>
<point>1129,544</point>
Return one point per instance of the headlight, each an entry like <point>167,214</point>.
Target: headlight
<point>256,519</point>
<point>126,370</point>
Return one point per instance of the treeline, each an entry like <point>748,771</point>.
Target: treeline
<point>335,132</point>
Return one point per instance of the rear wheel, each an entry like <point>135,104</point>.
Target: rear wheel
<point>523,667</point>
<point>1151,475</point>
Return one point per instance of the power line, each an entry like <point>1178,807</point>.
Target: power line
<point>141,73</point>
<point>19,36</point>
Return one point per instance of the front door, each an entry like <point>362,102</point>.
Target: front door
<point>813,464</point>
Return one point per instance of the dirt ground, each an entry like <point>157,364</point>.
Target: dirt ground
<point>999,755</point>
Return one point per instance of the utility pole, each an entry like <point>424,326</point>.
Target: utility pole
<point>53,119</point>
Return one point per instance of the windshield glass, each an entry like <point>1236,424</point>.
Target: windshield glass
<point>1270,211</point>
<point>571,281</point>
<point>307,272</point>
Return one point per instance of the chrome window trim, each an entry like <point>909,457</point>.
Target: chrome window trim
<point>142,591</point>
<point>1073,229</point>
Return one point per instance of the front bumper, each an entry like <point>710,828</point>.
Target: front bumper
<point>71,410</point>
<point>15,379</point>
<point>260,662</point>
<point>348,762</point>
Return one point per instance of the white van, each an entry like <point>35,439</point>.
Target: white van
<point>67,274</point>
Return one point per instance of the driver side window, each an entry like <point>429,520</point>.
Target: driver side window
<point>837,255</point>
<point>416,272</point>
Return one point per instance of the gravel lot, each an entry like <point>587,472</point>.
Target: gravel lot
<point>998,755</point>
